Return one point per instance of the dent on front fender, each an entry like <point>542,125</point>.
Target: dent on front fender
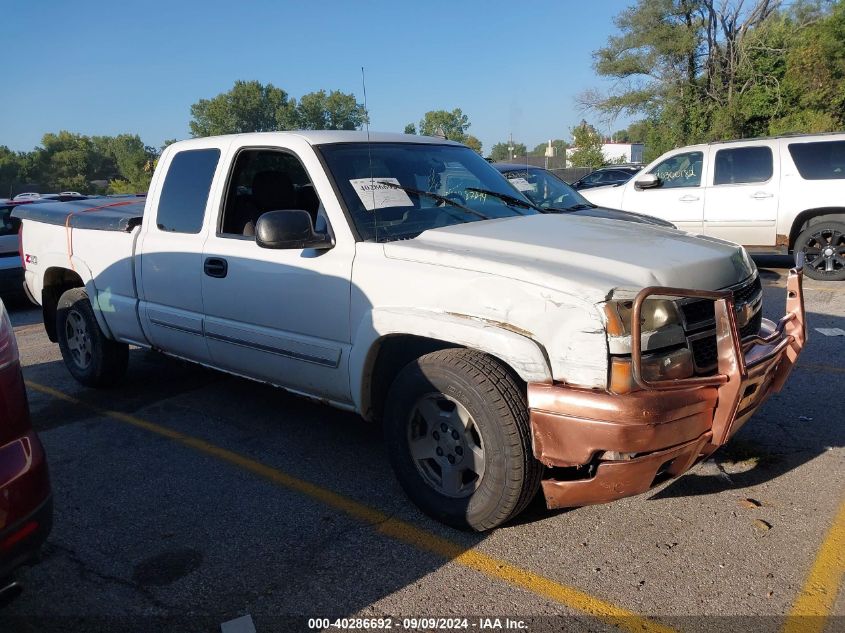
<point>544,340</point>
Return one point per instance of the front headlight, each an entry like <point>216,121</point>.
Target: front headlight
<point>654,367</point>
<point>660,327</point>
<point>655,314</point>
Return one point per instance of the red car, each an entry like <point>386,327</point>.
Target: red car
<point>26,502</point>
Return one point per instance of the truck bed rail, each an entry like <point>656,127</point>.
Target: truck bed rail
<point>100,214</point>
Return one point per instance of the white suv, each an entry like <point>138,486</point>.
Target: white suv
<point>772,195</point>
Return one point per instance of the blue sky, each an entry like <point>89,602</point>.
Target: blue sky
<point>113,67</point>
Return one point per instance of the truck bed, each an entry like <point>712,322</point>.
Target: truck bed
<point>120,213</point>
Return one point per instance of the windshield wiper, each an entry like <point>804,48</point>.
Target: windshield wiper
<point>434,196</point>
<point>506,198</point>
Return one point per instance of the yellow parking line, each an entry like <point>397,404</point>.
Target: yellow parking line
<point>399,530</point>
<point>816,600</point>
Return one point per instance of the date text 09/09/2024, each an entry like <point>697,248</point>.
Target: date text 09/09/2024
<point>413,624</point>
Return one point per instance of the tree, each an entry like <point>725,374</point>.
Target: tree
<point>473,143</point>
<point>329,111</point>
<point>700,70</point>
<point>677,61</point>
<point>248,107</point>
<point>410,128</point>
<point>814,74</point>
<point>134,163</point>
<point>587,143</point>
<point>502,152</point>
<point>11,170</point>
<point>67,161</point>
<point>453,124</point>
<point>559,146</point>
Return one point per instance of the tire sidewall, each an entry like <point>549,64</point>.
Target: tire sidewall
<point>467,512</point>
<point>801,242</point>
<point>76,300</point>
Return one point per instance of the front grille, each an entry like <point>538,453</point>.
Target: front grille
<point>700,312</point>
<point>704,352</point>
<point>699,324</point>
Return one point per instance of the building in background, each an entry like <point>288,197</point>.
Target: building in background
<point>622,152</point>
<point>616,153</point>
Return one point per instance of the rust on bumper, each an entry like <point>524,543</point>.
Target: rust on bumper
<point>665,427</point>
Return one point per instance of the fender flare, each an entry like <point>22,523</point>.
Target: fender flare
<point>75,265</point>
<point>512,346</point>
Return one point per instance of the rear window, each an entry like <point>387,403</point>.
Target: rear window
<point>739,165</point>
<point>823,160</point>
<point>181,207</point>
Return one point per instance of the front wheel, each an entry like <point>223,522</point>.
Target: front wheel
<point>91,358</point>
<point>823,245</point>
<point>458,436</point>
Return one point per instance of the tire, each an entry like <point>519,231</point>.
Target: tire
<point>481,422</point>
<point>91,358</point>
<point>823,245</point>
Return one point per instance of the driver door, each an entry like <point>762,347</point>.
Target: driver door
<point>680,196</point>
<point>279,315</point>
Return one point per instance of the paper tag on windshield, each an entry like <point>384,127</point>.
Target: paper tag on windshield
<point>375,195</point>
<point>521,184</point>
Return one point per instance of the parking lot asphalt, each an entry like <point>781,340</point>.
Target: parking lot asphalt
<point>187,498</point>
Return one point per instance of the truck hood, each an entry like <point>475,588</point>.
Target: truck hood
<point>585,256</point>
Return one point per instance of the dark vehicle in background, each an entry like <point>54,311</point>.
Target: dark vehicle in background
<point>604,176</point>
<point>552,195</point>
<point>26,502</point>
<point>11,268</point>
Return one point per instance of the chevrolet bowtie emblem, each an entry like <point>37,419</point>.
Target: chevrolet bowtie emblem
<point>744,311</point>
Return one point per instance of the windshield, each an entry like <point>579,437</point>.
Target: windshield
<point>386,187</point>
<point>546,190</point>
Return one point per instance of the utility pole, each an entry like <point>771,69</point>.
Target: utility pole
<point>510,145</point>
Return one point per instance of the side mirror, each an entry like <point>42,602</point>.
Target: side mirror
<point>647,181</point>
<point>288,229</point>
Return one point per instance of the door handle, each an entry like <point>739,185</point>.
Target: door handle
<point>688,198</point>
<point>216,267</point>
<point>762,195</point>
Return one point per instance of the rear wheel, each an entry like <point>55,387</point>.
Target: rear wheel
<point>91,358</point>
<point>458,436</point>
<point>823,245</point>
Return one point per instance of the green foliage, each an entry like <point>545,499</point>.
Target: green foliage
<point>11,170</point>
<point>501,151</point>
<point>329,111</point>
<point>559,146</point>
<point>68,161</point>
<point>248,107</point>
<point>411,128</point>
<point>473,143</point>
<point>587,143</point>
<point>453,124</point>
<point>703,70</point>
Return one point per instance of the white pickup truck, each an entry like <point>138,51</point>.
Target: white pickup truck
<point>403,278</point>
<point>773,195</point>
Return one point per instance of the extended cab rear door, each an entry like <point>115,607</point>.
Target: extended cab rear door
<point>743,192</point>
<point>170,264</point>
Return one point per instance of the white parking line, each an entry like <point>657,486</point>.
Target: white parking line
<point>243,624</point>
<point>831,331</point>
